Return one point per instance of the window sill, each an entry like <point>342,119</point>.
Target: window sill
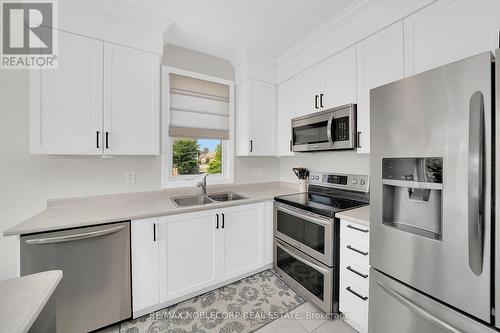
<point>190,182</point>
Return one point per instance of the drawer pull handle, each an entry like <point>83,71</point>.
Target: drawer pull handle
<point>349,268</point>
<point>364,298</point>
<point>356,228</point>
<point>356,250</point>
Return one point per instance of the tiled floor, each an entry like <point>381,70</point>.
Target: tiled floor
<point>307,318</point>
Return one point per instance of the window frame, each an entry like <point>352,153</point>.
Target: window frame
<point>169,181</point>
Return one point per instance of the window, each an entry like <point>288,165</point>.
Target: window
<point>194,156</point>
<point>197,126</point>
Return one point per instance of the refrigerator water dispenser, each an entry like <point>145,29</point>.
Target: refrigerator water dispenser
<point>412,195</point>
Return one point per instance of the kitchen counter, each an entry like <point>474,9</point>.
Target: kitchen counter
<point>358,215</point>
<point>24,298</point>
<point>94,210</point>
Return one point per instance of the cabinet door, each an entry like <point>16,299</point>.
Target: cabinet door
<point>338,79</point>
<point>307,88</point>
<point>188,253</point>
<point>66,103</point>
<point>286,112</point>
<point>262,118</point>
<point>447,31</point>
<point>145,264</point>
<point>131,101</point>
<point>243,239</point>
<point>379,61</point>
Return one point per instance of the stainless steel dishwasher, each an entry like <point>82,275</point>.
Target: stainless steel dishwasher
<point>96,287</point>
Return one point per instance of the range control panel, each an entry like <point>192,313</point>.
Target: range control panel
<point>345,181</point>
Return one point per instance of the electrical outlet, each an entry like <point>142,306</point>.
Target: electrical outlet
<point>129,177</point>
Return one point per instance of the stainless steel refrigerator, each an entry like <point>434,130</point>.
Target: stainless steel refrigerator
<point>432,211</point>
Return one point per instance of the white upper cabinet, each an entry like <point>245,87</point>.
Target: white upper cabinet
<point>255,118</point>
<point>102,99</point>
<point>447,31</point>
<point>338,79</point>
<point>66,103</point>
<point>286,111</point>
<point>307,90</point>
<point>131,101</point>
<point>379,61</point>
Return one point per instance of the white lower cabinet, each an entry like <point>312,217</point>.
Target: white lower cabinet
<point>189,246</point>
<point>195,252</point>
<point>354,274</point>
<point>145,263</point>
<point>243,251</point>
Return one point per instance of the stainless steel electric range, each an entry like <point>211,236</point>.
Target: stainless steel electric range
<point>306,235</point>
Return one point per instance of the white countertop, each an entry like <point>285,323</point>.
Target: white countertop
<point>22,299</point>
<point>357,215</point>
<point>94,210</point>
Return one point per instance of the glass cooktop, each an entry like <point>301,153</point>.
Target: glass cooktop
<point>319,203</point>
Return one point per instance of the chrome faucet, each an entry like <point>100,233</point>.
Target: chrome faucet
<point>203,184</point>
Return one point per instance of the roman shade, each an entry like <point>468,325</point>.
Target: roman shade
<point>198,108</point>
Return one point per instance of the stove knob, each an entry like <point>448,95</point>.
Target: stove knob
<point>354,181</point>
<point>362,182</point>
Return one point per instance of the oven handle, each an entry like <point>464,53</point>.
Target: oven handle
<point>329,130</point>
<point>304,215</point>
<point>291,251</point>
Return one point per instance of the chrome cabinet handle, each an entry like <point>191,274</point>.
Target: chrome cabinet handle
<point>349,268</point>
<point>316,101</point>
<point>107,140</point>
<point>356,250</point>
<point>364,298</point>
<point>217,225</point>
<point>321,100</point>
<point>74,237</point>
<point>475,183</point>
<point>358,140</point>
<point>97,139</point>
<point>417,309</point>
<point>222,220</point>
<point>251,146</point>
<point>356,228</point>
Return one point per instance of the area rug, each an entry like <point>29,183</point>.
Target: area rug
<point>240,307</point>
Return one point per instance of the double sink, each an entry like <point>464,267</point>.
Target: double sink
<point>204,199</point>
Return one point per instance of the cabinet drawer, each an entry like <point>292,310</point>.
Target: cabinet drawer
<point>354,253</point>
<point>355,232</point>
<point>354,274</point>
<point>354,304</point>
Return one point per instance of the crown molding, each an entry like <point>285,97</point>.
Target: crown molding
<point>346,15</point>
<point>121,10</point>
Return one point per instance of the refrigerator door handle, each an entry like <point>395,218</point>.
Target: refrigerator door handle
<point>475,182</point>
<point>417,309</point>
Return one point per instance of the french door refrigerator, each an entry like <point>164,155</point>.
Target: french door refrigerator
<point>433,257</point>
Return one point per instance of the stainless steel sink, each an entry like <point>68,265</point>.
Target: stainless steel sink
<point>227,196</point>
<point>192,200</point>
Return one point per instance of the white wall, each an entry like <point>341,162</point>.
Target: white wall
<point>27,181</point>
<point>342,162</point>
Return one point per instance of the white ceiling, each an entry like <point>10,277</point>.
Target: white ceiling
<point>222,27</point>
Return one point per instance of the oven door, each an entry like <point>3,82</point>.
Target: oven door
<point>308,232</point>
<point>327,130</point>
<point>306,276</point>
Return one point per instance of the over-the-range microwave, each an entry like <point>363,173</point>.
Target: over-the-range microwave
<point>332,129</point>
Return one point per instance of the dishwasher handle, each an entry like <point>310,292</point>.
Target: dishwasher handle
<point>73,237</point>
